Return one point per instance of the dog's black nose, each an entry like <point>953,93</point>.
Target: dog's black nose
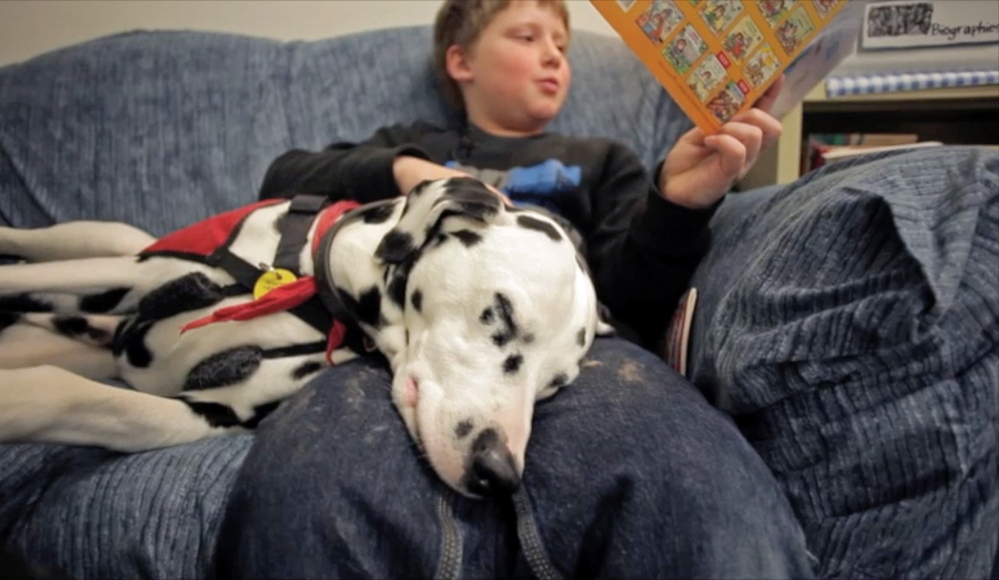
<point>491,469</point>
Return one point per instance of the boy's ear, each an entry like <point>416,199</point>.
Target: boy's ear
<point>456,63</point>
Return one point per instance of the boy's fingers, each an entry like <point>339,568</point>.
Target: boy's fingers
<point>750,136</point>
<point>767,100</point>
<point>770,126</point>
<point>731,154</point>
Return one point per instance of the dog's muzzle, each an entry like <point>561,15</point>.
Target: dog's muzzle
<point>491,469</point>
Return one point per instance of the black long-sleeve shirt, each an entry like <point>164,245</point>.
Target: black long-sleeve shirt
<point>641,248</point>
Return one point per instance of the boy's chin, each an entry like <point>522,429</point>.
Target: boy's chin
<point>544,115</point>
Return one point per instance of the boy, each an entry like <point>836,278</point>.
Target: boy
<point>511,77</point>
<point>629,473</point>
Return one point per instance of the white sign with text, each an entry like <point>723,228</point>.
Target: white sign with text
<point>910,24</point>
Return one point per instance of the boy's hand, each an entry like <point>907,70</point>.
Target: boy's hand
<point>700,169</point>
<point>411,171</point>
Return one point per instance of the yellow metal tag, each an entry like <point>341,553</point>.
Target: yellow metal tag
<point>270,280</point>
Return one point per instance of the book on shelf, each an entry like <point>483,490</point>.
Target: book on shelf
<point>717,57</point>
<point>826,148</point>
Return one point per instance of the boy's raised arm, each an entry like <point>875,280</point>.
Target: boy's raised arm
<point>360,171</point>
<point>642,258</point>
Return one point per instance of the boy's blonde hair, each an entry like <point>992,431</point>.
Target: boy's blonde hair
<point>461,22</point>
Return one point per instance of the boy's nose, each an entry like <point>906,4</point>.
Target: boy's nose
<point>552,55</point>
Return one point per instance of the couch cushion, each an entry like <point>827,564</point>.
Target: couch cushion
<point>160,129</point>
<point>92,513</point>
<point>156,130</point>
<point>849,323</point>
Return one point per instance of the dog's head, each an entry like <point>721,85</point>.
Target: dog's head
<point>493,309</point>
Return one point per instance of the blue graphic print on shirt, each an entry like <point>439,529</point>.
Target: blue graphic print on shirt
<point>547,184</point>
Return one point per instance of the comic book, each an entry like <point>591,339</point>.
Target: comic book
<point>717,57</point>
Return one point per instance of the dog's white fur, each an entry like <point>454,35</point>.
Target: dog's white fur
<point>498,312</point>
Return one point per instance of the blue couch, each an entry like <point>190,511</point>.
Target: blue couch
<point>848,322</point>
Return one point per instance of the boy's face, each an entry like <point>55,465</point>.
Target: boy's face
<point>515,76</point>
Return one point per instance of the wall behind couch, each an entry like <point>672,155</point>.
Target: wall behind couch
<point>30,27</point>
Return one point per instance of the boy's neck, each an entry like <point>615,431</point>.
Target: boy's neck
<point>496,130</point>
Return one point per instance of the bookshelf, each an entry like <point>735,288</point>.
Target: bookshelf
<point>957,115</point>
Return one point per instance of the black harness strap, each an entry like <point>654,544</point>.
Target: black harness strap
<point>295,350</point>
<point>245,273</point>
<point>319,311</point>
<point>294,236</point>
<point>295,230</point>
<point>327,292</point>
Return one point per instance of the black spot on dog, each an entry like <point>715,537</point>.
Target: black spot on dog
<point>440,239</point>
<point>559,380</point>
<point>420,188</point>
<point>416,299</point>
<point>397,284</point>
<point>467,237</point>
<point>24,303</point>
<point>533,223</point>
<point>487,316</point>
<point>224,368</point>
<point>189,292</point>
<point>74,326</point>
<point>8,319</point>
<point>118,340</point>
<point>305,369</point>
<point>463,428</point>
<point>70,325</point>
<point>471,198</point>
<point>527,338</point>
<point>395,247</point>
<point>216,414</point>
<point>581,337</point>
<point>512,364</point>
<point>369,307</point>
<point>378,214</point>
<point>103,302</point>
<point>504,309</point>
<point>130,339</point>
<point>260,412</point>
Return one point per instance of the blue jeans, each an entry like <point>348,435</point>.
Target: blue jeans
<point>629,473</point>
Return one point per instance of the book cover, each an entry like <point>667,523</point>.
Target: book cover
<point>717,57</point>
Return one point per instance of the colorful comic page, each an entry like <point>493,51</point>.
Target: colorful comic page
<point>717,57</point>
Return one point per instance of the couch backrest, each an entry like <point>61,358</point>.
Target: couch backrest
<point>160,129</point>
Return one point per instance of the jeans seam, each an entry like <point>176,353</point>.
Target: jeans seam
<point>530,539</point>
<point>449,564</point>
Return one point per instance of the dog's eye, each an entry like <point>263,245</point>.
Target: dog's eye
<point>558,381</point>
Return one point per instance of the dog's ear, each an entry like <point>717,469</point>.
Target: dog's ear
<point>427,205</point>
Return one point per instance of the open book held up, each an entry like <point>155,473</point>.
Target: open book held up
<point>717,57</point>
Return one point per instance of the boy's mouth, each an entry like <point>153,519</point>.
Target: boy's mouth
<point>548,86</point>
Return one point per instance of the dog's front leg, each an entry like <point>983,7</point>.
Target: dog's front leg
<point>25,344</point>
<point>73,240</point>
<point>89,285</point>
<point>49,404</point>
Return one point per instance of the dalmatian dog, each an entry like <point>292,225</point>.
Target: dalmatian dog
<point>479,308</point>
